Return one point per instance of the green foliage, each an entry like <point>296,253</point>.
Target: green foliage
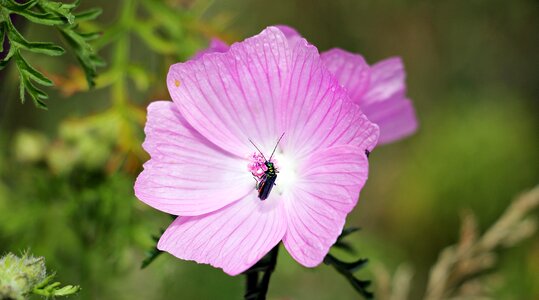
<point>347,269</point>
<point>21,276</point>
<point>167,31</point>
<point>341,243</point>
<point>153,253</point>
<point>49,13</point>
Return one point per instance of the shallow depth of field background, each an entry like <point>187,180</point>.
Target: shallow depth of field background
<point>66,188</point>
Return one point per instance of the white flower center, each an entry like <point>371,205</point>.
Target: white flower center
<point>287,173</point>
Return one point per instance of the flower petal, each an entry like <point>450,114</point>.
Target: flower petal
<point>317,111</point>
<point>233,238</point>
<point>387,81</point>
<point>317,207</point>
<point>231,97</point>
<point>386,104</point>
<point>395,116</point>
<point>291,34</point>
<point>187,175</point>
<point>351,70</point>
<point>216,45</point>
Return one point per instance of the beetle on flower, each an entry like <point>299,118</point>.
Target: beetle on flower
<point>202,161</point>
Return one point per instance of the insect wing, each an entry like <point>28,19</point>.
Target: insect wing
<point>265,187</point>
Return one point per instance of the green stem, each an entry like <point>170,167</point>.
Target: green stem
<point>122,53</point>
<point>264,285</point>
<point>256,290</point>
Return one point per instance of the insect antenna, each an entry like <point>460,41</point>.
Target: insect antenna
<point>278,141</point>
<point>259,150</point>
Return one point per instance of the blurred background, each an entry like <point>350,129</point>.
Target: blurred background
<point>66,174</point>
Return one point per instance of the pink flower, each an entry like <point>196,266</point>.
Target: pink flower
<point>202,161</point>
<point>380,89</point>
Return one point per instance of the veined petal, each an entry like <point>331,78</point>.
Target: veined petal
<point>291,34</point>
<point>233,238</point>
<point>395,116</point>
<point>317,206</point>
<point>317,111</point>
<point>232,97</point>
<point>187,175</point>
<point>387,81</point>
<point>351,70</point>
<point>386,104</point>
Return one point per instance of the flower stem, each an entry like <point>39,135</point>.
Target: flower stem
<point>256,290</point>
<point>252,283</point>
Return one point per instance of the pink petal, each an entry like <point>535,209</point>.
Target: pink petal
<point>317,111</point>
<point>288,31</point>
<point>216,45</point>
<point>351,70</point>
<point>386,104</point>
<point>319,203</point>
<point>387,81</point>
<point>231,97</point>
<point>233,238</point>
<point>396,118</point>
<point>291,34</point>
<point>187,175</point>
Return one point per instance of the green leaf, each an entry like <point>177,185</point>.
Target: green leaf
<point>25,74</point>
<point>17,7</point>
<point>347,231</point>
<point>67,290</point>
<point>18,41</point>
<point>361,287</point>
<point>347,269</point>
<point>44,48</point>
<point>88,15</point>
<point>354,266</point>
<point>33,91</point>
<point>41,18</point>
<point>59,9</point>
<point>2,35</point>
<point>98,61</point>
<point>22,89</point>
<point>84,53</point>
<point>90,36</point>
<point>54,290</point>
<point>341,243</point>
<point>31,72</point>
<point>50,13</point>
<point>45,281</point>
<point>73,5</point>
<point>153,253</point>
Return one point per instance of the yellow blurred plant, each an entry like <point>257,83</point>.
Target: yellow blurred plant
<point>463,269</point>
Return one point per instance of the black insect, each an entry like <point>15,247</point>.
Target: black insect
<point>266,183</point>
